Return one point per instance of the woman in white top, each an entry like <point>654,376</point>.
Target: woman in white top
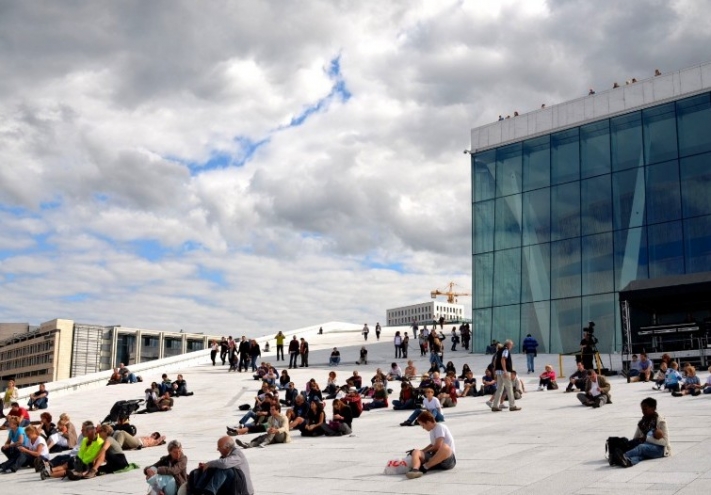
<point>397,341</point>
<point>431,404</point>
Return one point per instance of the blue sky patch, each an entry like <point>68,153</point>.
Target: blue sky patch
<point>214,276</point>
<point>149,249</point>
<point>377,265</point>
<point>78,297</point>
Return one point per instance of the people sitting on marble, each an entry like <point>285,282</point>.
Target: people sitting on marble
<point>380,397</point>
<point>297,414</point>
<point>597,391</point>
<point>410,371</point>
<point>448,393</point>
<point>578,378</point>
<point>363,359</point>
<point>169,473</point>
<point>691,385</point>
<point>331,384</point>
<point>315,419</point>
<point>130,442</point>
<point>470,386</point>
<point>395,372</point>
<point>431,404</point>
<point>488,383</point>
<point>335,357</point>
<point>38,399</point>
<point>229,470</point>
<point>546,380</point>
<point>341,422</point>
<point>275,430</point>
<point>407,398</point>
<point>673,379</point>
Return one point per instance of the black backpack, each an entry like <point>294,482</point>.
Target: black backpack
<point>615,447</point>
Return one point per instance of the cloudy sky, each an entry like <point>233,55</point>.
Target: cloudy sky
<point>264,165</point>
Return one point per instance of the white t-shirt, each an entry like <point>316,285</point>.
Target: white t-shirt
<point>34,446</point>
<point>708,381</point>
<point>594,389</point>
<point>432,404</point>
<point>58,439</point>
<point>441,431</point>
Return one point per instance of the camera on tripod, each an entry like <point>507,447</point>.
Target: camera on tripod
<point>590,330</point>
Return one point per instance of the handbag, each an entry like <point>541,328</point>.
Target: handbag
<point>615,447</point>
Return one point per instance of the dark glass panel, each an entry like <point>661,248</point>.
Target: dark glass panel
<point>508,222</point>
<point>626,132</point>
<point>596,205</point>
<point>483,280</point>
<point>507,277</point>
<point>481,333</point>
<point>566,325</point>
<point>508,170</point>
<point>694,121</point>
<point>537,216</point>
<point>696,185</point>
<point>565,211</point>
<point>536,163</point>
<point>565,156</point>
<point>659,133</point>
<point>628,199</point>
<point>666,251</point>
<point>507,324</point>
<point>535,273</point>
<point>601,310</point>
<point>663,194</point>
<point>595,149</point>
<point>565,268</point>
<point>484,175</point>
<point>697,244</point>
<point>597,264</point>
<point>483,227</point>
<point>631,262</point>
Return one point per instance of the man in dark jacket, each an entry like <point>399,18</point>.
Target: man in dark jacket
<point>243,353</point>
<point>293,352</point>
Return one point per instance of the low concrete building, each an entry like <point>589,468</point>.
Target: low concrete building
<point>424,313</point>
<point>60,349</point>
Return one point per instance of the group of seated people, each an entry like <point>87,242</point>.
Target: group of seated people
<point>159,397</point>
<point>123,375</point>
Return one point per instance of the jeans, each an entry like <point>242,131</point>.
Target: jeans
<point>436,413</point>
<point>434,358</point>
<point>39,403</point>
<point>529,361</point>
<point>250,415</point>
<point>292,359</point>
<point>644,451</point>
<point>254,363</point>
<point>334,361</point>
<point>399,405</point>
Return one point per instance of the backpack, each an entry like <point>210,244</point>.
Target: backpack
<point>614,448</point>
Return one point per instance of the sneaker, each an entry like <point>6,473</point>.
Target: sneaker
<point>489,403</point>
<point>514,408</point>
<point>414,473</point>
<point>540,387</point>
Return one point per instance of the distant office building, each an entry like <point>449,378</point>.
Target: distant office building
<point>60,349</point>
<point>424,313</point>
<point>572,202</point>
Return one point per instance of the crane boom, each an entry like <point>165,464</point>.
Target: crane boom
<point>450,293</point>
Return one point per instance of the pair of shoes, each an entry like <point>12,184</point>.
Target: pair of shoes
<point>414,473</point>
<point>514,408</point>
<point>495,409</point>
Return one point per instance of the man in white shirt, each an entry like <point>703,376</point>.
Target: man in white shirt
<point>439,454</point>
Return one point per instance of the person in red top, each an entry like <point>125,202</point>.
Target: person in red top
<point>448,395</point>
<point>547,379</point>
<point>20,412</point>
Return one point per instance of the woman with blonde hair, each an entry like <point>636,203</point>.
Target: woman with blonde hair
<point>547,379</point>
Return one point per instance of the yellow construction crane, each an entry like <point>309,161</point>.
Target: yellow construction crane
<point>449,293</point>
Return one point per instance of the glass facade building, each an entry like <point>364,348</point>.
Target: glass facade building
<point>563,220</point>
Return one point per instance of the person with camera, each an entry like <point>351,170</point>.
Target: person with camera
<point>588,346</point>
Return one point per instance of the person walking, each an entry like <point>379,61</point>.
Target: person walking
<point>529,346</point>
<point>397,341</point>
<point>377,331</point>
<point>503,367</point>
<point>365,332</point>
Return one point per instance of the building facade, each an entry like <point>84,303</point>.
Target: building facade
<point>424,313</point>
<point>573,202</point>
<point>60,349</point>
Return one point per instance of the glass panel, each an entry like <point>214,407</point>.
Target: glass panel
<point>596,205</point>
<point>565,268</point>
<point>601,310</point>
<point>507,279</point>
<point>694,121</point>
<point>483,280</point>
<point>565,156</point>
<point>659,133</point>
<point>565,211</point>
<point>484,175</point>
<point>536,320</point>
<point>535,276</point>
<point>663,194</point>
<point>566,325</point>
<point>697,244</point>
<point>508,170</point>
<point>507,323</point>
<point>630,256</point>
<point>481,333</point>
<point>597,264</point>
<point>666,252</point>
<point>483,227</point>
<point>536,163</point>
<point>628,199</point>
<point>537,216</point>
<point>595,149</point>
<point>508,222</point>
<point>696,185</point>
<point>626,132</point>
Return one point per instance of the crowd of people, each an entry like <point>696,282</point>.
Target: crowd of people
<point>281,411</point>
